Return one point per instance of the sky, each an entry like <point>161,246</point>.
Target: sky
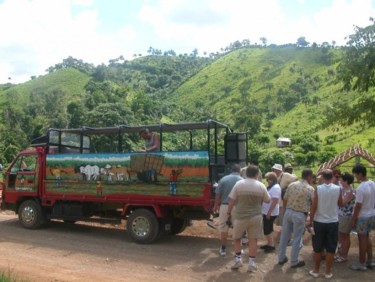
<point>37,34</point>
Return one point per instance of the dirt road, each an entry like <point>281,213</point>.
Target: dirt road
<point>82,252</point>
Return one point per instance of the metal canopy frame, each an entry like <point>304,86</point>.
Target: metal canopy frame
<point>162,127</point>
<point>127,129</point>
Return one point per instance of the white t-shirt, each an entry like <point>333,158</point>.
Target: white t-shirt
<point>328,196</point>
<point>275,193</point>
<point>365,195</point>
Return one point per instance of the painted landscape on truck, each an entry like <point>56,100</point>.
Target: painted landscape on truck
<point>159,174</point>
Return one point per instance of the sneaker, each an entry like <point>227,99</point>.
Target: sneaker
<point>252,267</point>
<point>370,264</point>
<point>298,264</point>
<point>328,276</point>
<point>222,252</point>
<point>313,274</point>
<point>237,264</point>
<point>358,266</point>
<point>211,224</point>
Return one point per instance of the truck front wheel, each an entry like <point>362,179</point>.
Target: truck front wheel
<point>30,214</point>
<point>143,226</point>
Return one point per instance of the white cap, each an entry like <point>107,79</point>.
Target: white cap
<point>278,167</point>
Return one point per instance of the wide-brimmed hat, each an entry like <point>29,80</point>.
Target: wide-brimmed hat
<point>288,165</point>
<point>278,167</point>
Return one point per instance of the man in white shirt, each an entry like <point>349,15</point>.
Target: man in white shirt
<point>362,216</point>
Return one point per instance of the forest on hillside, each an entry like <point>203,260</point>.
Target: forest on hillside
<point>250,87</point>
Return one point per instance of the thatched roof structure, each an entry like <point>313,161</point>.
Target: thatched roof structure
<point>352,152</point>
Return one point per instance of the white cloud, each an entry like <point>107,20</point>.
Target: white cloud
<point>215,25</point>
<point>42,33</point>
<point>222,22</point>
<point>337,21</point>
<point>37,34</point>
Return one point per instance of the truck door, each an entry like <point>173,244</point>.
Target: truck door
<point>23,176</point>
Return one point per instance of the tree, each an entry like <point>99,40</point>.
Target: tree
<point>268,159</point>
<point>76,113</point>
<point>357,72</point>
<point>194,53</point>
<point>357,68</point>
<point>264,41</point>
<point>71,62</point>
<point>248,118</point>
<point>301,42</point>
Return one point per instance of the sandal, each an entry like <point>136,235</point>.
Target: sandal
<point>340,259</point>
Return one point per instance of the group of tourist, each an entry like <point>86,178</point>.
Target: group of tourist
<point>326,205</point>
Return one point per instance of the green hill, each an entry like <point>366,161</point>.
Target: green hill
<point>266,91</point>
<point>276,92</point>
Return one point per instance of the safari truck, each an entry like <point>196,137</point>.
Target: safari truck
<point>94,174</point>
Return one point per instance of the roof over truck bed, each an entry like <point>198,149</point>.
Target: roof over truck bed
<point>162,127</point>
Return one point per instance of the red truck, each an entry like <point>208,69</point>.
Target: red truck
<point>64,177</point>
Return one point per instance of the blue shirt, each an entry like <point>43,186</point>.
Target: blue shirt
<point>225,186</point>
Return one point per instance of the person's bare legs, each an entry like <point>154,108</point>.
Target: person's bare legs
<point>224,238</point>
<point>270,240</point>
<point>252,247</point>
<point>329,261</point>
<point>362,244</point>
<point>344,240</point>
<point>317,260</point>
<point>237,245</point>
<point>369,249</point>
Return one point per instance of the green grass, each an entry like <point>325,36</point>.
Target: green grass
<point>9,277</point>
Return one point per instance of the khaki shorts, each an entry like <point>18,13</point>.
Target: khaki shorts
<point>222,225</point>
<point>345,224</point>
<point>253,226</point>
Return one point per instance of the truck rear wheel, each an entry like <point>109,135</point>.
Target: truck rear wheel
<point>143,226</point>
<point>179,225</point>
<point>30,214</point>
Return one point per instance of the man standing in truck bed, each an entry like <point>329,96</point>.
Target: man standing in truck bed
<point>152,140</point>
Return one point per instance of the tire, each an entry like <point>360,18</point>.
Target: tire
<point>69,221</point>
<point>30,214</point>
<point>179,225</point>
<point>143,226</point>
